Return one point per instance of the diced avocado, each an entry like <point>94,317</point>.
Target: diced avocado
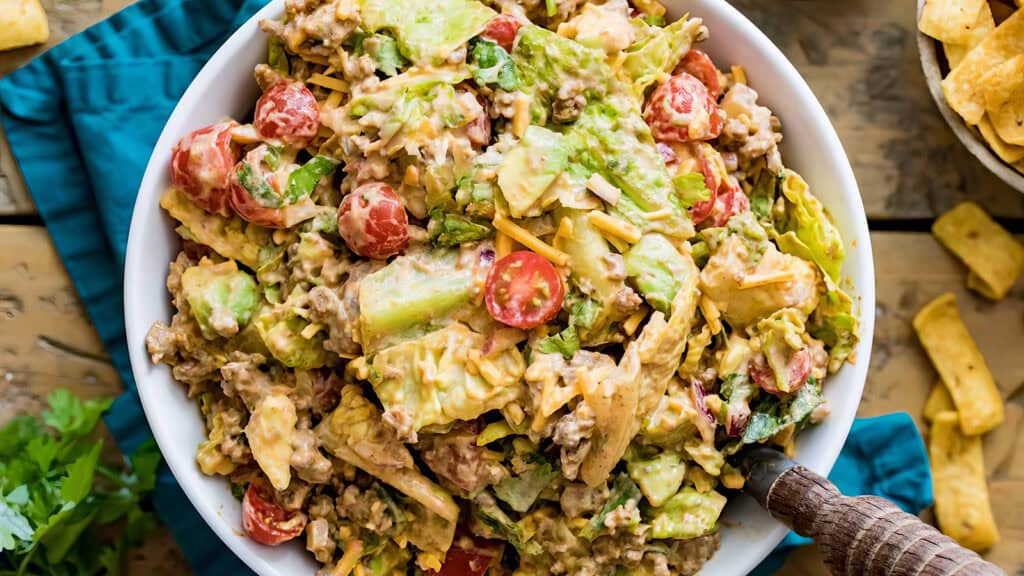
<point>545,62</point>
<point>656,51</point>
<point>612,139</point>
<point>232,237</point>
<point>442,377</point>
<point>657,267</point>
<point>624,492</point>
<point>521,491</point>
<point>222,297</point>
<point>409,294</point>
<point>282,330</point>
<point>428,31</point>
<point>688,514</point>
<point>530,168</point>
<point>588,250</point>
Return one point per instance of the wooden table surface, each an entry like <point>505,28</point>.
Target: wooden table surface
<point>859,58</point>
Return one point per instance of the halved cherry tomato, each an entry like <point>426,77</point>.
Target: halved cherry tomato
<point>471,561</point>
<point>702,68</point>
<point>202,164</point>
<point>798,368</point>
<point>264,520</point>
<point>729,203</point>
<point>373,222</point>
<point>268,206</point>
<point>502,30</point>
<point>713,169</point>
<point>523,290</point>
<point>682,110</point>
<point>288,112</point>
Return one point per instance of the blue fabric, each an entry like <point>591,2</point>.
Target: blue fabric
<point>883,456</point>
<point>82,120</point>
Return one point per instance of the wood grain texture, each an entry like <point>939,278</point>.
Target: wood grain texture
<point>861,61</point>
<point>866,535</point>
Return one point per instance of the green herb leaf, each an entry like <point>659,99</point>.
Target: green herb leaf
<point>302,181</point>
<point>78,480</point>
<point>13,527</point>
<point>447,230</point>
<point>257,187</point>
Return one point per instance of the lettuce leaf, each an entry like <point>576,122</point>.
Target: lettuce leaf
<point>806,229</point>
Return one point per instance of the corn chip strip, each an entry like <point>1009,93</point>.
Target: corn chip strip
<point>958,477</point>
<point>950,21</point>
<point>995,258</point>
<point>938,400</point>
<point>963,87</point>
<point>960,365</point>
<point>1006,151</point>
<point>986,23</point>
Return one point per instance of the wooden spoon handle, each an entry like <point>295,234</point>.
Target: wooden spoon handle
<point>862,536</point>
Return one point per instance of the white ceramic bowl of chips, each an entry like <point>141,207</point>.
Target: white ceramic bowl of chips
<point>934,65</point>
<point>225,87</point>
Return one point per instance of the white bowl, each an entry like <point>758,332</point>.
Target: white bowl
<point>225,87</point>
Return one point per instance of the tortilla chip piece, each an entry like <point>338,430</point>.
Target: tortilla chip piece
<point>950,21</point>
<point>963,88</point>
<point>962,505</point>
<point>22,23</point>
<point>938,401</point>
<point>1009,153</point>
<point>960,365</point>
<point>994,256</point>
<point>1004,99</point>
<point>955,53</point>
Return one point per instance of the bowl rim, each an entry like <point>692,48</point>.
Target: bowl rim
<point>928,53</point>
<point>848,199</point>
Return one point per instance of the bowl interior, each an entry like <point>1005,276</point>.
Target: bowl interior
<point>970,137</point>
<point>225,87</point>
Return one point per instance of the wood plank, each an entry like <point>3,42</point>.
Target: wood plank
<point>47,342</point>
<point>911,269</point>
<point>860,59</point>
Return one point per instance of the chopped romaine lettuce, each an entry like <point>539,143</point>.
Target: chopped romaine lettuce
<point>447,230</point>
<point>772,414</point>
<point>356,433</point>
<point>222,297</point>
<point>624,492</point>
<point>805,222</point>
<point>232,238</point>
<point>656,51</point>
<point>691,189</point>
<point>737,390</point>
<point>491,64</point>
<point>283,332</point>
<point>530,168</point>
<point>389,559</point>
<point>658,268</point>
<point>302,181</point>
<point>582,314</point>
<point>497,524</point>
<point>688,514</point>
<point>546,62</point>
<point>763,194</point>
<point>428,31</point>
<point>412,292</point>
<point>384,51</point>
<point>834,323</point>
<point>522,490</point>
<point>658,476</point>
<point>442,377</point>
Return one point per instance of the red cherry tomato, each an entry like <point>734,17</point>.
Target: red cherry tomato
<point>699,65</point>
<point>712,167</point>
<point>202,164</point>
<point>264,520</point>
<point>799,370</point>
<point>250,208</point>
<point>472,561</point>
<point>729,203</point>
<point>682,110</point>
<point>502,30</point>
<point>288,112</point>
<point>373,222</point>
<point>523,290</point>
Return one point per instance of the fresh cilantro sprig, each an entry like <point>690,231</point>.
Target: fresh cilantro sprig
<point>62,510</point>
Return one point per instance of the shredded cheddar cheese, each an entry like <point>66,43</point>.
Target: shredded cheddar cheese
<point>739,74</point>
<point>521,115</point>
<point>412,176</point>
<point>614,226</point>
<point>328,82</point>
<point>778,277</point>
<point>565,228</point>
<point>503,245</point>
<point>650,7</point>
<point>633,322</point>
<point>519,234</point>
<point>657,214</point>
<point>333,99</point>
<point>711,314</point>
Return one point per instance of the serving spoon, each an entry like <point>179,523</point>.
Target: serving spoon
<point>858,536</point>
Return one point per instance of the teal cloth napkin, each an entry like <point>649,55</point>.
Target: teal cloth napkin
<point>82,120</point>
